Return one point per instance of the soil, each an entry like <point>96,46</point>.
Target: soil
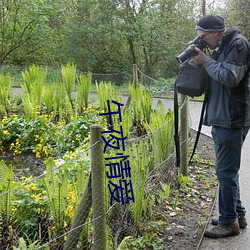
<point>25,164</point>
<point>187,222</point>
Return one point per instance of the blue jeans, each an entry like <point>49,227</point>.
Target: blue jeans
<point>228,145</point>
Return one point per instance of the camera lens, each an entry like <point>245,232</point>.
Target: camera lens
<point>187,53</point>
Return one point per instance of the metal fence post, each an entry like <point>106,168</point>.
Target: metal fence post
<point>184,135</point>
<point>98,187</point>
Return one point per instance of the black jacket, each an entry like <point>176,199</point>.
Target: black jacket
<point>229,90</point>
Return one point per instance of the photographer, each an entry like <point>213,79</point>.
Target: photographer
<point>228,112</point>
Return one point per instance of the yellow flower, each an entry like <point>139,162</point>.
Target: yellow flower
<point>38,156</point>
<point>45,151</point>
<point>12,145</point>
<point>14,209</point>
<point>37,196</point>
<point>69,211</point>
<point>73,199</point>
<point>17,152</point>
<point>31,187</point>
<point>6,132</point>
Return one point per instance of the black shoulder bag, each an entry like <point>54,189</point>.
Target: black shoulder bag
<point>191,81</point>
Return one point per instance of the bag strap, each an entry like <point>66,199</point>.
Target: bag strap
<point>199,127</point>
<point>176,126</point>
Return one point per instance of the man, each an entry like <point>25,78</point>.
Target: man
<point>228,112</point>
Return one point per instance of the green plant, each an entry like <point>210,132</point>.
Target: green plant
<point>146,101</point>
<point>6,196</point>
<point>5,90</point>
<point>106,91</point>
<point>48,98</point>
<point>64,183</point>
<point>34,81</point>
<point>28,244</point>
<point>56,187</point>
<point>164,192</point>
<point>140,110</point>
<point>23,246</point>
<point>184,181</point>
<point>147,241</point>
<point>83,91</point>
<point>30,208</point>
<point>42,136</point>
<point>68,74</point>
<point>58,99</point>
<point>161,128</point>
<point>23,134</point>
<point>139,172</point>
<point>59,102</point>
<point>176,199</point>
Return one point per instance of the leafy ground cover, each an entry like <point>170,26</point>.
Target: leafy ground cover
<point>180,216</point>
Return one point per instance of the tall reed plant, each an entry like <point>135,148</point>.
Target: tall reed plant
<point>6,196</point>
<point>140,157</point>
<point>106,91</point>
<point>34,80</point>
<point>83,91</point>
<point>5,90</point>
<point>160,129</point>
<point>48,98</point>
<point>68,74</point>
<point>141,103</point>
<point>62,106</point>
<point>56,184</point>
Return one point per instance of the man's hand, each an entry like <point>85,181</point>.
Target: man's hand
<point>200,58</point>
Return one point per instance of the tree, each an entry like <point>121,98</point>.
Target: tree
<point>108,36</point>
<point>237,13</point>
<point>20,22</point>
<point>102,36</point>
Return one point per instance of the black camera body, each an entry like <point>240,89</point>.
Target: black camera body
<point>190,51</point>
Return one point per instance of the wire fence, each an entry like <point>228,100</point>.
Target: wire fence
<point>59,209</point>
<point>158,87</point>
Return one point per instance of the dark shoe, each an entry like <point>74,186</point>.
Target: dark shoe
<point>221,231</point>
<point>241,219</point>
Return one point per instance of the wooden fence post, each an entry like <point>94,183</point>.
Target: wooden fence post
<point>98,187</point>
<point>80,218</point>
<point>135,74</point>
<point>135,82</point>
<point>184,135</point>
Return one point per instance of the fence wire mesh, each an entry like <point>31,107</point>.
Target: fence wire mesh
<point>52,209</point>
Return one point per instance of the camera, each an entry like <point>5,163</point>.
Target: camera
<point>190,51</point>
